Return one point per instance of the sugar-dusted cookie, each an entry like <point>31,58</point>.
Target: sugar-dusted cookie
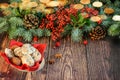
<point>9,53</point>
<point>27,59</point>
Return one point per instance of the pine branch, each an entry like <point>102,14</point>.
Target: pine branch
<point>20,31</point>
<point>67,30</point>
<point>3,25</point>
<point>47,32</point>
<point>15,12</point>
<point>40,15</point>
<point>117,10</point>
<point>106,2</point>
<point>3,29</point>
<point>27,36</point>
<point>101,10</point>
<point>88,27</point>
<point>16,21</point>
<point>114,29</point>
<point>2,19</point>
<point>39,32</point>
<point>34,32</point>
<point>107,22</point>
<point>76,35</point>
<point>117,3</point>
<point>12,34</point>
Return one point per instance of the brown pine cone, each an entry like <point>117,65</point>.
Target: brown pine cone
<point>97,33</point>
<point>30,21</point>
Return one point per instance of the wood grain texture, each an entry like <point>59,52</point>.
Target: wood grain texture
<point>3,65</point>
<point>72,66</point>
<point>99,60</point>
<point>98,53</point>
<point>115,59</point>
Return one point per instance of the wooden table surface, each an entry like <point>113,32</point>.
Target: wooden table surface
<point>99,60</point>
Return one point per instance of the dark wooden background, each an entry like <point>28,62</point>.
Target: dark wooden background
<point>99,60</point>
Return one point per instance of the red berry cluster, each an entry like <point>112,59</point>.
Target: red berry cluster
<point>90,11</point>
<point>57,21</point>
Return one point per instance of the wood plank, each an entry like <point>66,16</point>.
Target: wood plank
<point>4,66</point>
<point>40,75</point>
<point>98,53</point>
<point>115,59</point>
<point>72,66</point>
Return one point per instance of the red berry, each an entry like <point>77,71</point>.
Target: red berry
<point>99,22</point>
<point>35,38</point>
<point>85,42</point>
<point>57,44</point>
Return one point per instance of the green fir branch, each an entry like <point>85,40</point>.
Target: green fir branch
<point>20,31</point>
<point>3,29</point>
<point>27,36</point>
<point>67,30</point>
<point>16,21</point>
<point>3,25</point>
<point>12,34</point>
<point>39,32</point>
<point>76,35</point>
<point>47,33</point>
<point>15,12</point>
<point>33,31</point>
<point>114,29</point>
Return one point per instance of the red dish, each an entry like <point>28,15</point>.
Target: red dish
<point>40,47</point>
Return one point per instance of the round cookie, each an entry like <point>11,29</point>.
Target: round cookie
<point>27,49</point>
<point>18,52</point>
<point>9,53</point>
<point>27,59</point>
<point>36,55</point>
<point>17,61</point>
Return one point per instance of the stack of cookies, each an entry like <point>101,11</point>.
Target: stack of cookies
<point>25,54</point>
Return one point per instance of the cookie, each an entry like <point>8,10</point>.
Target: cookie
<point>36,55</point>
<point>9,53</point>
<point>17,61</point>
<point>27,59</point>
<point>27,49</point>
<point>18,52</point>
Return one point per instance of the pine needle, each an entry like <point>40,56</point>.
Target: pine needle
<point>39,32</point>
<point>27,36</point>
<point>12,34</point>
<point>114,30</point>
<point>15,21</point>
<point>76,35</point>
<point>20,31</point>
<point>47,32</point>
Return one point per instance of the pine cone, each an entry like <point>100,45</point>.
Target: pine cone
<point>97,33</point>
<point>30,21</point>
